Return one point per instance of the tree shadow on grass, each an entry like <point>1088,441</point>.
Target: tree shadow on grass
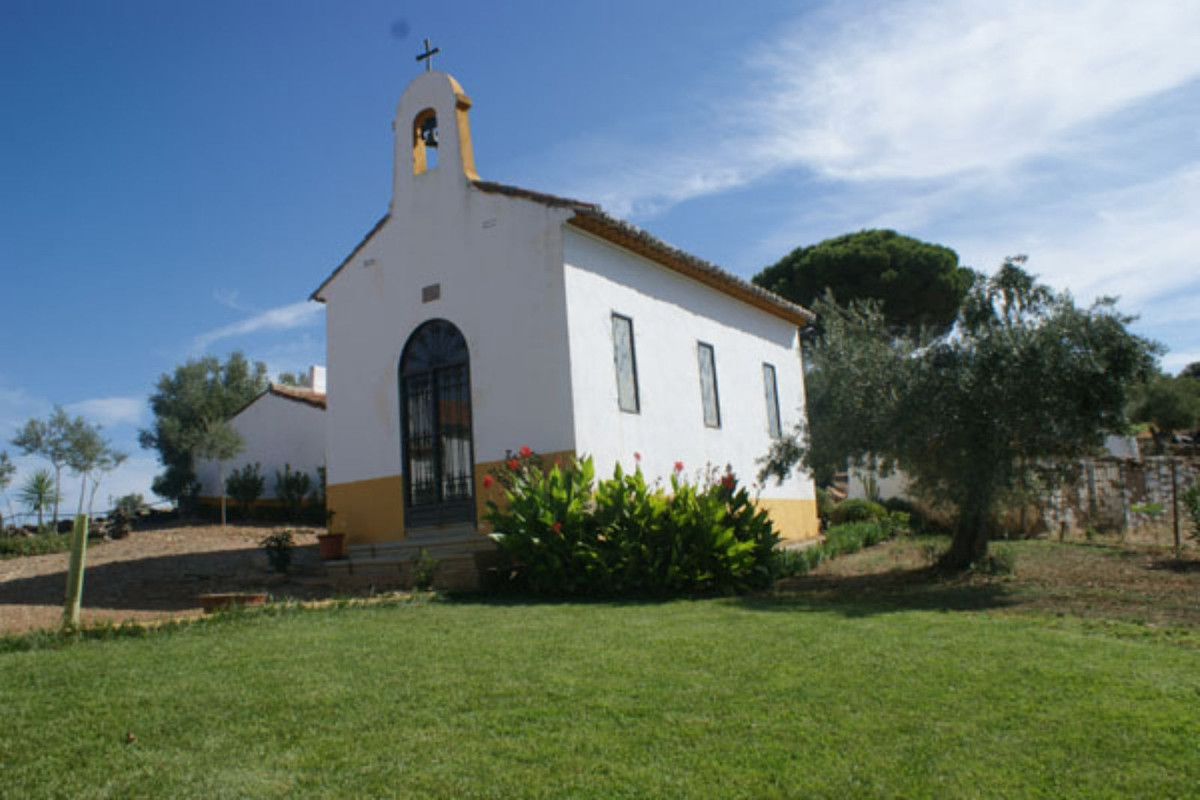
<point>884,593</point>
<point>162,583</point>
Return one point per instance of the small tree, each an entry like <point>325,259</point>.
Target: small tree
<point>1026,378</point>
<point>39,494</point>
<point>109,460</point>
<point>51,439</point>
<point>89,456</point>
<point>218,442</point>
<point>7,471</point>
<point>245,486</point>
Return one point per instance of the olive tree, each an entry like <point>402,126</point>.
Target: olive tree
<point>218,441</point>
<point>183,402</point>
<point>1025,378</point>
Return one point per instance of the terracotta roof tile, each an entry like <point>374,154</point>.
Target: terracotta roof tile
<point>300,393</point>
<point>593,219</point>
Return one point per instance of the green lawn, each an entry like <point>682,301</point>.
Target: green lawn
<point>714,698</point>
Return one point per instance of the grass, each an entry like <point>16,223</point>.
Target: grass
<point>911,688</point>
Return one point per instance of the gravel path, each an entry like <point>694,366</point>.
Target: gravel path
<point>152,574</point>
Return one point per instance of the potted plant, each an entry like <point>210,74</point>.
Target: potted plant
<point>333,545</point>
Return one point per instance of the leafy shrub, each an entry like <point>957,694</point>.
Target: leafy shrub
<point>130,505</point>
<point>315,511</point>
<point>292,489</point>
<point>278,547</point>
<point>565,534</point>
<point>245,486</point>
<point>1191,502</point>
<point>797,561</point>
<point>849,537</point>
<point>856,510</point>
<point>36,545</point>
<point>920,518</point>
<point>999,561</point>
<point>824,506</point>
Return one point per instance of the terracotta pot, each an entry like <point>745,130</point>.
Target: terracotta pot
<point>332,545</point>
<point>224,600</point>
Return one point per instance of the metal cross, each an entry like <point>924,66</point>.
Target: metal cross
<point>427,56</point>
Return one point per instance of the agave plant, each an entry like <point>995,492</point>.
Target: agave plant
<point>39,493</point>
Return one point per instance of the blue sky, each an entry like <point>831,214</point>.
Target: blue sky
<point>177,177</point>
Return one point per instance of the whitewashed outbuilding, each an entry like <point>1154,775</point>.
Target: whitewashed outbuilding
<point>477,318</point>
<point>282,426</point>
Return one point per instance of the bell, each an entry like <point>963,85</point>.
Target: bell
<point>429,132</point>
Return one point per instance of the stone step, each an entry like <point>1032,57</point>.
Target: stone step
<point>453,556</point>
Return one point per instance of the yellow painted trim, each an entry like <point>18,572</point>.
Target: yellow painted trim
<point>466,151</point>
<point>795,520</point>
<point>368,511</point>
<point>373,510</point>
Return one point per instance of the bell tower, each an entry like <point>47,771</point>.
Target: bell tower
<point>433,135</point>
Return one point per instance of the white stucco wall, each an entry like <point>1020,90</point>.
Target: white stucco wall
<point>497,261</point>
<point>670,314</point>
<point>893,485</point>
<point>276,431</point>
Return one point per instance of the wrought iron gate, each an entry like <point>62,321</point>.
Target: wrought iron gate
<point>435,424</point>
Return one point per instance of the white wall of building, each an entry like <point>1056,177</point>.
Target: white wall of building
<point>276,431</point>
<point>670,314</point>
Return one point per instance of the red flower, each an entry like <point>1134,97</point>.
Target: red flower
<point>513,464</point>
<point>728,481</point>
<point>487,481</point>
<point>557,527</point>
<point>679,466</point>
<point>637,456</point>
<point>526,452</point>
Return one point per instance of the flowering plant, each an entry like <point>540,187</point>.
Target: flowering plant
<point>564,533</point>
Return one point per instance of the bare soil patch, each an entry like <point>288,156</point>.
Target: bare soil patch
<point>155,574</point>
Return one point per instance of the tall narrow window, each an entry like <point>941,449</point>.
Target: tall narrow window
<point>772,394</point>
<point>626,362</point>
<point>708,384</point>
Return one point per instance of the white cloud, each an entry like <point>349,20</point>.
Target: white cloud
<point>109,411</point>
<point>919,90</point>
<point>912,90</point>
<point>1139,242</point>
<point>282,318</point>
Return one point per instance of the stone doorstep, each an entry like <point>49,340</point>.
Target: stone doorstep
<point>455,551</point>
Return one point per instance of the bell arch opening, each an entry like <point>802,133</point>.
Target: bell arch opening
<point>425,141</point>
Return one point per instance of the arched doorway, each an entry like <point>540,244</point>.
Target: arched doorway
<point>435,425</point>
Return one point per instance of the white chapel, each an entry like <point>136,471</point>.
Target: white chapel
<point>477,318</point>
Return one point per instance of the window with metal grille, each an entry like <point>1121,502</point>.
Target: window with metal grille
<point>626,362</point>
<point>708,384</point>
<point>771,392</point>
